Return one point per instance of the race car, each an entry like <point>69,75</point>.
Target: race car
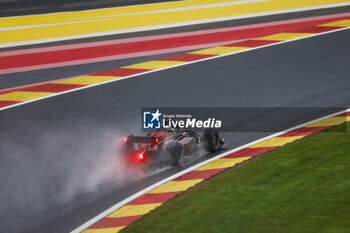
<point>170,146</point>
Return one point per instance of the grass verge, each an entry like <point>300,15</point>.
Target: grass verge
<point>303,187</point>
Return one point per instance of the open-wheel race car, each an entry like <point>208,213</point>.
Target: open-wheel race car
<point>170,147</point>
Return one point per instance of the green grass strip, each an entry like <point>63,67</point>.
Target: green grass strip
<point>303,187</point>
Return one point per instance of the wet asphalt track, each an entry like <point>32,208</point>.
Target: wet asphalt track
<point>58,155</point>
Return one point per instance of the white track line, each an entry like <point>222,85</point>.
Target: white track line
<point>159,183</point>
<point>166,68</point>
<point>171,25</point>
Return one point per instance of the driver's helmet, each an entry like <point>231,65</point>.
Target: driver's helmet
<point>172,131</point>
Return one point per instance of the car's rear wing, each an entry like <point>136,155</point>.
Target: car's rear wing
<point>141,139</point>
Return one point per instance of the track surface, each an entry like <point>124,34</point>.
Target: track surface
<point>29,7</point>
<point>63,135</point>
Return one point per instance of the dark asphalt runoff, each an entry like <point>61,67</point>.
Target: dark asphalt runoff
<point>60,164</point>
<point>30,7</point>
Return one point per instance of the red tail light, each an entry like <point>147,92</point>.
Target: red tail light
<point>125,139</point>
<point>141,156</point>
<point>156,140</point>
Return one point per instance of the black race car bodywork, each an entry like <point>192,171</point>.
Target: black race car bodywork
<point>170,147</point>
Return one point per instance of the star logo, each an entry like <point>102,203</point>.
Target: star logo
<point>156,115</point>
<point>152,119</point>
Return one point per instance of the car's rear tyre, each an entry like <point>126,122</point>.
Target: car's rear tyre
<point>211,140</point>
<point>176,153</point>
